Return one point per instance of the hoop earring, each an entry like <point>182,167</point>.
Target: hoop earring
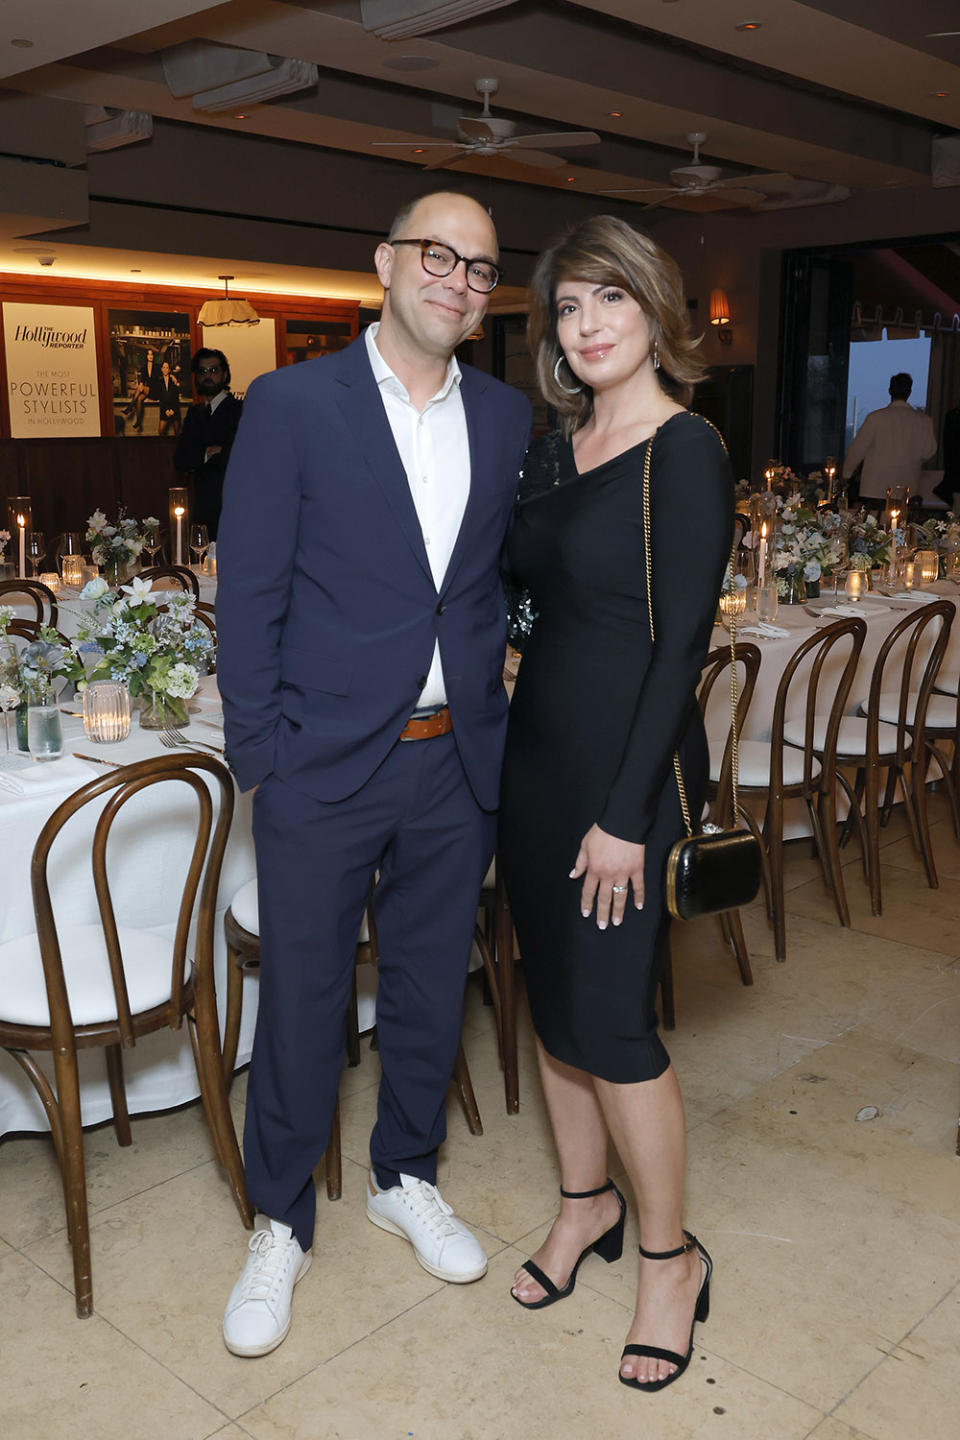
<point>656,354</point>
<point>560,385</point>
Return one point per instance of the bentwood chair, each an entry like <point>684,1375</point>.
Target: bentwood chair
<point>494,940</point>
<point>108,985</point>
<point>242,930</point>
<point>892,736</point>
<point>799,762</point>
<point>719,794</point>
<point>178,574</point>
<point>39,595</point>
<point>946,687</point>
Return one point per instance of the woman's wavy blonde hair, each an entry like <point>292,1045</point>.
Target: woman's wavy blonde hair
<point>607,251</point>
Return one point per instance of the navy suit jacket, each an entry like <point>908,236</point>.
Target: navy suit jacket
<point>327,612</point>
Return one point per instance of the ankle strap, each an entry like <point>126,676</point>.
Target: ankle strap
<point>586,1194</point>
<point>689,1244</point>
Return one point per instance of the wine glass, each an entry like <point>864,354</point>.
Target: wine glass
<point>36,551</point>
<point>199,542</point>
<point>151,542</point>
<point>69,543</point>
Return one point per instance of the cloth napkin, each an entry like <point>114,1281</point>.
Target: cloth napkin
<point>64,774</point>
<point>918,597</point>
<point>766,631</point>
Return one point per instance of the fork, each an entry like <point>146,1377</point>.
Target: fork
<point>173,739</point>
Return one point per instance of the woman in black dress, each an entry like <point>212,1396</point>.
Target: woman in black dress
<point>590,806</point>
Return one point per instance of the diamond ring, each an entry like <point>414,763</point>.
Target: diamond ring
<point>618,889</point>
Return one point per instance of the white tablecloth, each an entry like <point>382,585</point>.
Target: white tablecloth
<point>146,864</point>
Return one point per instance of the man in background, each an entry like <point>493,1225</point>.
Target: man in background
<point>891,445</point>
<point>209,428</point>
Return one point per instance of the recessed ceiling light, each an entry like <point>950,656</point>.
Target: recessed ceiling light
<point>419,150</point>
<point>939,94</point>
<point>570,179</point>
<point>240,115</point>
<point>750,25</point>
<point>615,114</point>
<point>22,44</point>
<point>136,272</point>
<point>410,62</point>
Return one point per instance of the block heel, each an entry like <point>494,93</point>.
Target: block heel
<point>609,1247</point>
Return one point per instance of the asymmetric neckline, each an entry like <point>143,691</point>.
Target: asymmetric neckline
<point>614,459</point>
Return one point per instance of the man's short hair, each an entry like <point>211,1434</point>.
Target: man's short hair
<point>204,356</point>
<point>403,214</point>
<point>900,386</point>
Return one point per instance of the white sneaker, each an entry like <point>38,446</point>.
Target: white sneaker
<point>442,1244</point>
<point>257,1317</point>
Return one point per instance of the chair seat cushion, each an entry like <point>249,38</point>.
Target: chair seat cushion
<point>716,748</point>
<point>147,964</point>
<point>245,906</point>
<point>852,738</point>
<point>941,709</point>
<point>948,684</point>
<point>755,764</point>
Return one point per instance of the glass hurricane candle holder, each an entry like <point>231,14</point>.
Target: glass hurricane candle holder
<point>179,524</point>
<point>73,568</point>
<point>928,564</point>
<point>106,712</point>
<point>856,584</point>
<point>733,603</point>
<point>51,579</point>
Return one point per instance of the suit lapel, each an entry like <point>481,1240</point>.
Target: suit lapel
<point>473,383</point>
<point>359,400</point>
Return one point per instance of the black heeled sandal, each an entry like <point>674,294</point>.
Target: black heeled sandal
<point>701,1313</point>
<point>609,1247</point>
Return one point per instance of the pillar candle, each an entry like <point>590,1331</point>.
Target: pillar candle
<point>21,524</point>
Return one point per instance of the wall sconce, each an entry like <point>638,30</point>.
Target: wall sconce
<point>720,316</point>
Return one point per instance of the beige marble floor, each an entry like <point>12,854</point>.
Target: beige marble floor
<point>836,1303</point>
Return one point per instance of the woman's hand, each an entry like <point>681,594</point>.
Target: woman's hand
<point>606,862</point>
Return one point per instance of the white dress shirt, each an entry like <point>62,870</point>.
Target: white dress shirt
<point>435,451</point>
<point>892,443</point>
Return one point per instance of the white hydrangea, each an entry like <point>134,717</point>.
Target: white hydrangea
<point>182,681</point>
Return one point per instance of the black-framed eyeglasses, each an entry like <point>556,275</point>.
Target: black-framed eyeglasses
<point>209,369</point>
<point>439,259</point>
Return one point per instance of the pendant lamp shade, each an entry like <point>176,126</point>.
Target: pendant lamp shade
<point>228,310</point>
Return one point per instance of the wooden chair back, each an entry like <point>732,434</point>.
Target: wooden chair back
<point>29,630</point>
<point>181,576</point>
<point>717,663</point>
<point>41,597</point>
<point>816,650</point>
<point>920,654</point>
<point>203,879</point>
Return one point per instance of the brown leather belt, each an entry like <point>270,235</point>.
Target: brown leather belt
<point>430,726</point>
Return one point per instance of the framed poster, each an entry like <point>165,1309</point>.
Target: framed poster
<point>251,350</point>
<point>51,359</point>
<point>149,370</point>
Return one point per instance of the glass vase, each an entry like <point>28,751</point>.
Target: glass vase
<point>794,590</point>
<point>116,571</point>
<point>158,711</point>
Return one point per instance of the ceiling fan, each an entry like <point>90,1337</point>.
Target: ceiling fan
<point>695,181</point>
<point>487,135</point>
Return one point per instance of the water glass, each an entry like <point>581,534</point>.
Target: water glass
<point>44,732</point>
<point>106,712</point>
<point>767,601</point>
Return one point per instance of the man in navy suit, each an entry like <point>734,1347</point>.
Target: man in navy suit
<point>361,639</point>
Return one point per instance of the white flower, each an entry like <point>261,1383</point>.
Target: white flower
<point>151,523</point>
<point>138,589</point>
<point>182,681</point>
<point>9,697</point>
<point>94,589</point>
<point>97,521</point>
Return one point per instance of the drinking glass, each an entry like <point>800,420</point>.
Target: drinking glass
<point>199,541</point>
<point>767,601</point>
<point>106,712</point>
<point>44,731</point>
<point>36,551</point>
<point>73,571</point>
<point>151,542</point>
<point>69,543</point>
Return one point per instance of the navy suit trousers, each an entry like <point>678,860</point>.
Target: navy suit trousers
<point>417,821</point>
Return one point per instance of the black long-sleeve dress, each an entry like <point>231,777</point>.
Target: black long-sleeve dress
<point>596,716</point>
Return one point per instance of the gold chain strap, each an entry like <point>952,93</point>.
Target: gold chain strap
<point>734,687</point>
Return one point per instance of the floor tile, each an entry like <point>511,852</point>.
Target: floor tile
<point>831,1429</point>
<point>61,1375</point>
<point>469,1364</point>
<point>912,913</point>
<point>914,1393</point>
<point>360,1278</point>
<point>31,1196</point>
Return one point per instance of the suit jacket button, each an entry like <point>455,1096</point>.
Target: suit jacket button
<point>440,608</point>
<point>422,680</point>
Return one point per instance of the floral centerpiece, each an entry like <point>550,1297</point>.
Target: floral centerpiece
<point>808,546</point>
<point>115,547</point>
<point>867,544</point>
<point>152,643</point>
<point>4,540</point>
<point>27,678</point>
<point>940,533</point>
